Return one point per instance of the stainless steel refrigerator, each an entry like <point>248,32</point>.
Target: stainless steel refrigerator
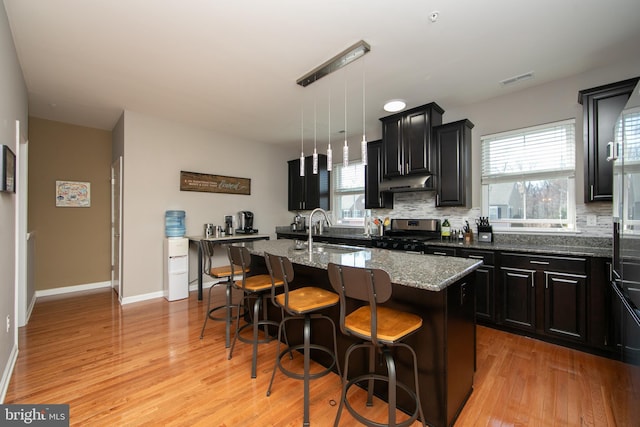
<point>624,151</point>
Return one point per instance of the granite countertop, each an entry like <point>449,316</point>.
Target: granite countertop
<point>429,272</point>
<point>533,247</point>
<point>331,233</point>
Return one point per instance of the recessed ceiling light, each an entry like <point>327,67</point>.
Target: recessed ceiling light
<point>394,105</point>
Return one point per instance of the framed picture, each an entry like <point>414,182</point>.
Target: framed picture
<point>8,163</point>
<point>73,194</point>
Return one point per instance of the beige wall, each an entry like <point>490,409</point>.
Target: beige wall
<point>73,244</point>
<point>155,151</point>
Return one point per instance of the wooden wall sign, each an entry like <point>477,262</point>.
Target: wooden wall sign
<point>206,183</point>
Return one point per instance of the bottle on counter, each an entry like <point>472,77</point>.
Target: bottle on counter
<point>445,230</point>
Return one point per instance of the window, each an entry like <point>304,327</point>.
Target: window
<point>348,194</point>
<point>528,178</point>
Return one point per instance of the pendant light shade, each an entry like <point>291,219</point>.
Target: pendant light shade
<point>315,151</point>
<point>302,142</point>
<point>345,149</point>
<point>329,151</point>
<point>363,144</point>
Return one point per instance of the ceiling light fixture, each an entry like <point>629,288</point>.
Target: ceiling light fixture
<point>516,79</point>
<point>394,105</point>
<point>340,60</point>
<point>302,142</point>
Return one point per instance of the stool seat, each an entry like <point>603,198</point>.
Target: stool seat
<point>257,283</point>
<point>307,299</point>
<point>393,324</point>
<point>224,271</point>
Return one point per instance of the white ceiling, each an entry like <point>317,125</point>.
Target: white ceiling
<point>232,66</point>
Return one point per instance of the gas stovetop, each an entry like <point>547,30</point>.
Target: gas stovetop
<point>408,234</point>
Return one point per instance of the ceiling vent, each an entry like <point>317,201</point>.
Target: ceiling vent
<point>515,79</point>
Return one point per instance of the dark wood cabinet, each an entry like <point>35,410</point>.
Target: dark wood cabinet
<point>565,305</point>
<point>485,283</point>
<point>373,199</point>
<point>601,106</point>
<point>311,190</point>
<point>453,152</point>
<point>518,298</point>
<point>407,141</point>
<point>545,295</point>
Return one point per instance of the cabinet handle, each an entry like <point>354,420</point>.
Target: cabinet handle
<point>407,168</point>
<point>539,262</point>
<point>476,256</point>
<point>439,253</point>
<point>611,154</point>
<point>591,195</point>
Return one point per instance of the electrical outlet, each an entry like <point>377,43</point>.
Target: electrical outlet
<point>8,323</point>
<point>591,220</point>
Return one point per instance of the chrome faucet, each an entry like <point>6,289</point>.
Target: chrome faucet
<point>326,217</point>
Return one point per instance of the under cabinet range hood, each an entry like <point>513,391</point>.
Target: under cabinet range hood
<point>404,184</point>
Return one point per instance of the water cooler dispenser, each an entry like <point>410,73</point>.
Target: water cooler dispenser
<point>176,268</point>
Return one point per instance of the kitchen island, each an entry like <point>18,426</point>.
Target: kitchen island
<point>440,290</point>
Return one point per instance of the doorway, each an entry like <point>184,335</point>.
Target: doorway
<point>116,227</point>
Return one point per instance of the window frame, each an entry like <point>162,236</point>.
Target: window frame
<point>337,192</point>
<point>565,170</point>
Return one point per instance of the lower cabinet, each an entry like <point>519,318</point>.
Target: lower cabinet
<point>518,298</point>
<point>485,283</point>
<point>545,295</point>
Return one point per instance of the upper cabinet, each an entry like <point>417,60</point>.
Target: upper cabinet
<point>601,106</point>
<point>311,190</point>
<point>373,199</point>
<point>453,151</point>
<point>407,141</point>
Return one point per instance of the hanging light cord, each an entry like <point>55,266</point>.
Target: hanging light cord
<point>363,144</point>
<point>345,149</point>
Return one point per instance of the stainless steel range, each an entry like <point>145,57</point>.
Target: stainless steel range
<point>408,235</point>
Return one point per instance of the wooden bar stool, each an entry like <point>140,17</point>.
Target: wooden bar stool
<point>300,304</point>
<point>223,276</point>
<point>379,328</point>
<point>254,287</point>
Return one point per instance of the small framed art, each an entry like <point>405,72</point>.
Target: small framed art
<point>8,163</point>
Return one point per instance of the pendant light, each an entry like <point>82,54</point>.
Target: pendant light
<point>329,152</point>
<point>315,151</point>
<point>302,142</point>
<point>363,144</point>
<point>345,149</point>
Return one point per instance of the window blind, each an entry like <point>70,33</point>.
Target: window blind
<point>539,151</point>
<point>350,178</point>
<point>630,131</point>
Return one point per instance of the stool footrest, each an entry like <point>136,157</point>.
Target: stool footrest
<point>377,377</point>
<point>301,376</point>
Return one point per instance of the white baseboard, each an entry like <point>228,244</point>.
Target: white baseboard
<point>6,374</point>
<point>143,297</point>
<point>69,289</point>
<point>27,315</point>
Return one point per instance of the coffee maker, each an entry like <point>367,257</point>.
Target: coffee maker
<point>245,223</point>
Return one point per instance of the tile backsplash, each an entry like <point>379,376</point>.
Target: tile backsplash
<point>422,205</point>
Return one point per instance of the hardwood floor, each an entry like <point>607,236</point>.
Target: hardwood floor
<point>144,364</point>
